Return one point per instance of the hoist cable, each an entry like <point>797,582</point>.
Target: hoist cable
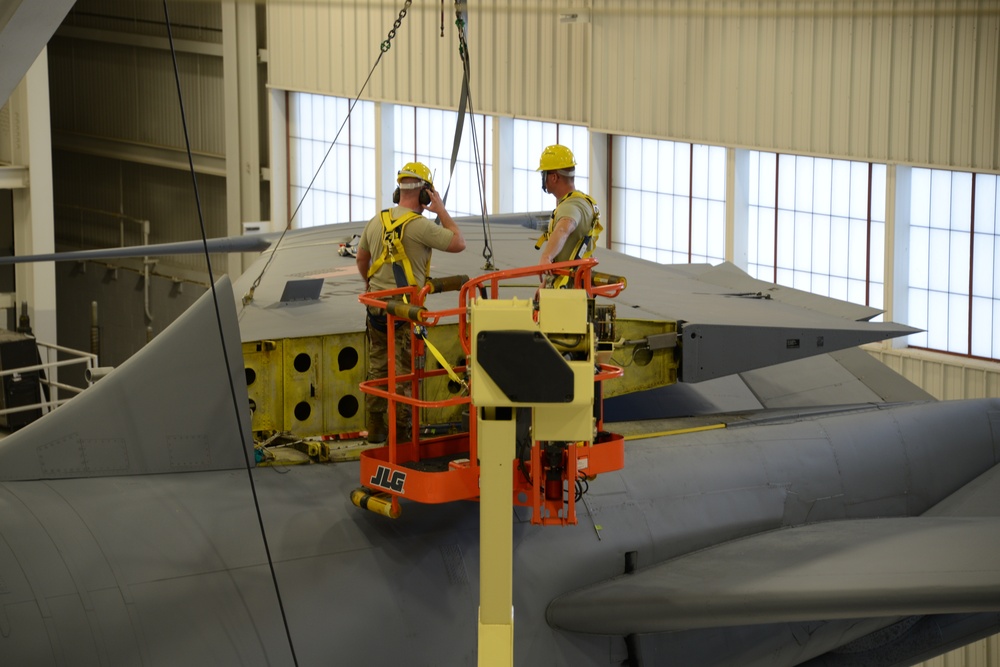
<point>222,338</point>
<point>463,51</point>
<point>384,47</point>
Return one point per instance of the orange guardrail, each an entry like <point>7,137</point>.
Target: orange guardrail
<point>445,468</point>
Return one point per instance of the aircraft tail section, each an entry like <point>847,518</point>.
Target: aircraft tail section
<point>167,409</point>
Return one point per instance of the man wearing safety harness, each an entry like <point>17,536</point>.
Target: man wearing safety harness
<point>395,251</point>
<point>575,223</point>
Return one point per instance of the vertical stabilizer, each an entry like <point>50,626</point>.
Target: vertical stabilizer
<point>169,408</point>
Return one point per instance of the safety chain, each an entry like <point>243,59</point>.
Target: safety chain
<point>395,26</point>
<point>460,24</point>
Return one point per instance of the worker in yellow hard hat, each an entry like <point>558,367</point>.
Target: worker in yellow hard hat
<point>575,224</point>
<point>395,251</point>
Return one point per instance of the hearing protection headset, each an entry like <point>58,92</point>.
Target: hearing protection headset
<point>425,195</point>
<point>415,170</point>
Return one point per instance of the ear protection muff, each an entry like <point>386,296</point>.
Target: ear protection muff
<point>425,195</point>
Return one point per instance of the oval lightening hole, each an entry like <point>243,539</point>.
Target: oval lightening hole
<point>302,411</point>
<point>302,362</point>
<point>347,358</point>
<point>347,406</point>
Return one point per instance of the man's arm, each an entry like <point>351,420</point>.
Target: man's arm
<point>557,239</point>
<point>364,260</point>
<point>437,206</point>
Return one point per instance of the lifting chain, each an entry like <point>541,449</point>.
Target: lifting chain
<point>395,26</point>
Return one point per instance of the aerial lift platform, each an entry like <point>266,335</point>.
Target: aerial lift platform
<point>534,360</point>
<point>536,431</point>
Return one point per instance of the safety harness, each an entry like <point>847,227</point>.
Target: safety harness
<point>394,253</point>
<point>585,246</point>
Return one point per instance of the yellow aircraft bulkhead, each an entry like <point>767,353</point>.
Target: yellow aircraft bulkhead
<point>306,386</point>
<point>262,363</point>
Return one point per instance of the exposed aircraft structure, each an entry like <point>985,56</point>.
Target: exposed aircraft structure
<point>799,505</point>
<point>25,27</point>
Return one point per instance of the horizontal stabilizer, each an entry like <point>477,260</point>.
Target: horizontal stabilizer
<point>256,243</point>
<point>833,570</point>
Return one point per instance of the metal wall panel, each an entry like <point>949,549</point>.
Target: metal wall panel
<point>129,94</point>
<point>190,20</point>
<point>946,377</point>
<point>532,60</point>
<point>91,191</point>
<point>911,81</point>
<point>525,61</point>
<point>907,81</point>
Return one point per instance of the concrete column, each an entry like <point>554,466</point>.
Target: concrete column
<point>278,123</point>
<point>503,164</point>
<point>385,158</point>
<point>242,89</point>
<point>34,216</point>
<point>897,247</point>
<point>737,205</point>
<point>600,181</point>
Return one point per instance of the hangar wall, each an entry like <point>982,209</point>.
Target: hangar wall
<point>944,376</point>
<point>908,81</point>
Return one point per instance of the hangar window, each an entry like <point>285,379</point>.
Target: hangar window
<point>529,140</point>
<point>818,225</point>
<point>668,200</point>
<point>341,174</point>
<point>427,135</point>
<point>954,288</point>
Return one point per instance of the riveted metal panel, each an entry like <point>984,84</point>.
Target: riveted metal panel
<point>645,368</point>
<point>344,367</point>
<point>445,338</point>
<point>302,364</point>
<point>262,361</point>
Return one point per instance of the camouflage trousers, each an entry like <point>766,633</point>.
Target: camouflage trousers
<point>376,407</point>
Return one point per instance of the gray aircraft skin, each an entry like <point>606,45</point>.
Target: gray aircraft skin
<point>841,517</point>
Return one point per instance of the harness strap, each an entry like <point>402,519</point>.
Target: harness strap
<point>585,246</point>
<point>421,332</point>
<point>393,251</point>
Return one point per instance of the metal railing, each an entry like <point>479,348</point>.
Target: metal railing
<point>47,378</point>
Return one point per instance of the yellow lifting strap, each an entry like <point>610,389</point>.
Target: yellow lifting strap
<point>392,246</point>
<point>585,246</point>
<point>422,332</point>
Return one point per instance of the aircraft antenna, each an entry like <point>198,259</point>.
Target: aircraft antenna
<point>222,338</point>
<point>384,47</point>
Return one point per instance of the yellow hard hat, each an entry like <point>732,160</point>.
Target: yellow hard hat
<point>415,170</point>
<point>556,157</point>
